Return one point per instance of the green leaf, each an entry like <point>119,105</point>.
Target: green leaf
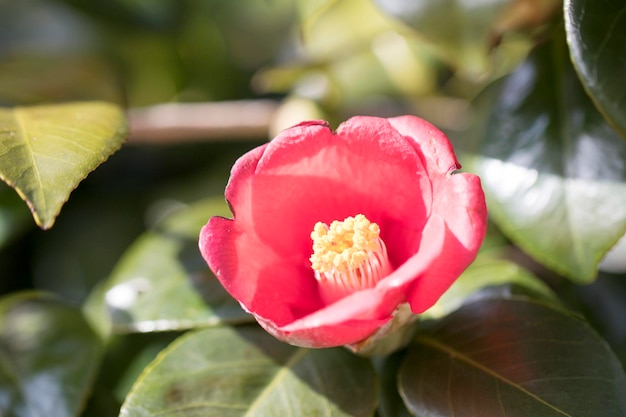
<point>246,372</point>
<point>602,303</point>
<point>373,58</point>
<point>125,358</point>
<point>485,272</point>
<point>323,29</point>
<point>162,282</point>
<point>596,32</point>
<point>391,404</point>
<point>512,358</point>
<point>48,357</point>
<point>462,30</point>
<point>552,168</point>
<point>45,151</point>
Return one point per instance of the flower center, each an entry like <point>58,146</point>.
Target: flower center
<point>348,255</point>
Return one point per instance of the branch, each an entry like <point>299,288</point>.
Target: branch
<point>186,122</point>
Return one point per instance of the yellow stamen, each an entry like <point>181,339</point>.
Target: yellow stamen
<point>349,255</point>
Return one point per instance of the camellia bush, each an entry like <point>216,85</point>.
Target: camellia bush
<point>313,208</point>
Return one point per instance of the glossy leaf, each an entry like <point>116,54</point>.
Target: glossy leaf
<point>486,272</point>
<point>391,403</point>
<point>162,282</point>
<point>513,358</point>
<point>552,168</point>
<point>45,151</point>
<point>48,357</point>
<point>602,302</point>
<point>246,372</point>
<point>596,33</point>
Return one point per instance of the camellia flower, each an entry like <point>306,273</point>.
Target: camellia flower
<point>334,231</point>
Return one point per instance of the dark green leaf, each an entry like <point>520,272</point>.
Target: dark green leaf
<point>48,357</point>
<point>88,225</point>
<point>162,282</point>
<point>596,34</point>
<point>14,218</point>
<point>512,358</point>
<point>45,151</point>
<point>391,404</point>
<point>246,372</point>
<point>602,302</point>
<point>125,358</point>
<point>552,169</point>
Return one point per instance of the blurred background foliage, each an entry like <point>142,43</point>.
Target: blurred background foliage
<point>495,75</point>
<point>322,59</point>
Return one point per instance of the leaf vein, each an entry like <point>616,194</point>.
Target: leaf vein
<point>452,353</point>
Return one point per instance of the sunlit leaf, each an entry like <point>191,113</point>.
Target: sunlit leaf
<point>162,282</point>
<point>45,151</point>
<point>552,169</point>
<point>246,372</point>
<point>462,30</point>
<point>310,8</point>
<point>323,29</point>
<point>596,34</point>
<point>48,357</point>
<point>347,67</point>
<point>486,272</point>
<point>512,358</point>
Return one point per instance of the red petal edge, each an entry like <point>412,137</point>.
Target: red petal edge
<point>449,243</point>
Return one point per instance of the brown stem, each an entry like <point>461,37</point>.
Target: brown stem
<point>186,122</point>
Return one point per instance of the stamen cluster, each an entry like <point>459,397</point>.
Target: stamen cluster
<point>348,255</point>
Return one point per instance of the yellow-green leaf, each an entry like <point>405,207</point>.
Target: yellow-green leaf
<point>245,372</point>
<point>45,151</point>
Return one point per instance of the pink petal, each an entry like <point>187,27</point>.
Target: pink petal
<point>249,275</point>
<point>308,174</point>
<point>431,221</point>
<point>373,305</point>
<point>460,201</point>
<point>323,336</point>
<point>246,266</point>
<point>431,142</point>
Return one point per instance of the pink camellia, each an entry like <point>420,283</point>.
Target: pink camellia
<point>334,231</point>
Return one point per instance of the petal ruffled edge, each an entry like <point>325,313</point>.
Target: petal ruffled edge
<point>364,311</point>
<point>432,142</point>
<point>460,202</point>
<point>457,198</point>
<point>331,326</point>
<point>344,176</point>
